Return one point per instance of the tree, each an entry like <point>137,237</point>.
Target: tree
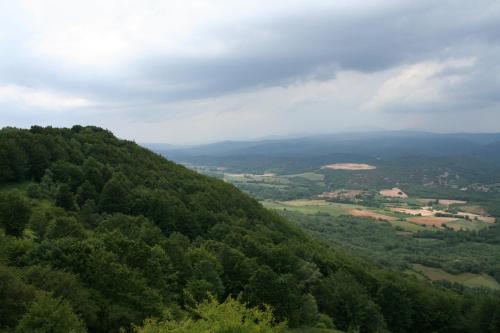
<point>88,213</point>
<point>308,312</point>
<point>65,227</point>
<point>15,296</point>
<point>13,161</point>
<point>68,173</point>
<point>343,298</point>
<point>396,307</point>
<point>484,316</point>
<point>47,184</point>
<point>34,191</point>
<point>39,160</point>
<point>237,269</point>
<point>205,267</point>
<point>67,286</point>
<point>85,192</point>
<point>14,214</point>
<point>115,196</point>
<point>228,317</point>
<point>280,291</point>
<point>93,172</point>
<point>65,198</point>
<point>50,315</point>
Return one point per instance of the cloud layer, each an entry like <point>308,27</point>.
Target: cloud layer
<point>193,71</point>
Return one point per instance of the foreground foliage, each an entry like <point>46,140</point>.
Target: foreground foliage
<point>107,234</point>
<point>212,317</point>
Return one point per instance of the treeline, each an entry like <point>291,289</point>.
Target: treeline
<point>100,234</point>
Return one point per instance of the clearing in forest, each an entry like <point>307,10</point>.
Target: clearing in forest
<point>467,279</point>
<point>393,193</point>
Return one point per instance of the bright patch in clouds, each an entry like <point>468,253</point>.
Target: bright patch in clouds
<point>419,84</point>
<point>28,97</point>
<point>103,33</point>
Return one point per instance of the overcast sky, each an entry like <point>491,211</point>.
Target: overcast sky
<point>197,71</point>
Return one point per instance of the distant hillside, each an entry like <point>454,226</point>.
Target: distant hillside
<point>374,144</point>
<point>491,151</point>
<point>97,234</point>
<point>310,153</point>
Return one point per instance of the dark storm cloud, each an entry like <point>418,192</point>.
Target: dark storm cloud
<point>299,46</point>
<point>279,50</point>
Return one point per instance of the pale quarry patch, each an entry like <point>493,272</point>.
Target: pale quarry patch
<point>250,175</point>
<point>268,174</point>
<point>429,212</point>
<point>448,202</point>
<point>445,202</point>
<point>393,193</point>
<point>419,212</point>
<point>349,166</point>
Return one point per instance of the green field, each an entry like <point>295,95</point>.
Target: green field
<point>315,206</point>
<point>312,176</point>
<point>334,209</point>
<point>467,279</point>
<point>248,178</point>
<point>468,225</point>
<point>408,226</point>
<point>311,206</point>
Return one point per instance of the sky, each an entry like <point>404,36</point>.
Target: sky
<point>195,71</point>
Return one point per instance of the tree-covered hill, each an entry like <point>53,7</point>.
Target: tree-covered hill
<point>97,234</point>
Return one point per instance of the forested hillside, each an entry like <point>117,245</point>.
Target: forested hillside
<point>98,234</point>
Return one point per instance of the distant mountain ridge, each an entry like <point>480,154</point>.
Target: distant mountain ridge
<point>370,145</point>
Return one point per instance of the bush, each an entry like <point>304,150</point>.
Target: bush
<point>228,317</point>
